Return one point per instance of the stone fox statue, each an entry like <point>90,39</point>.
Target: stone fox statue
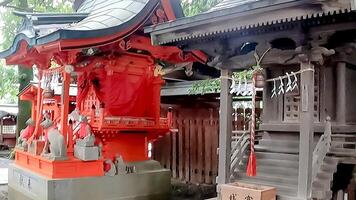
<point>26,134</point>
<point>55,140</point>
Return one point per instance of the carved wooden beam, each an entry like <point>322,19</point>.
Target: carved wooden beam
<point>277,57</point>
<point>317,54</point>
<point>346,54</point>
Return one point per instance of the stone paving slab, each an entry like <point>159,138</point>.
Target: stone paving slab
<point>4,164</point>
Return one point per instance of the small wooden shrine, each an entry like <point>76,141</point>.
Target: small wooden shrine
<point>307,135</point>
<point>7,127</point>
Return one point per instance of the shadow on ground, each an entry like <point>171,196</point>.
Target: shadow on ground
<point>185,191</point>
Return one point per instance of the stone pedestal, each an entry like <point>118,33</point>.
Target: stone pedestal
<point>86,153</point>
<point>84,149</point>
<point>149,181</point>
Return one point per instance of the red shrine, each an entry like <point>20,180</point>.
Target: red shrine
<point>118,79</point>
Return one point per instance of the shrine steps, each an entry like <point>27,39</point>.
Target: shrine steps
<point>343,146</point>
<point>342,150</point>
<point>321,186</point>
<point>278,146</point>
<point>278,163</point>
<point>277,166</point>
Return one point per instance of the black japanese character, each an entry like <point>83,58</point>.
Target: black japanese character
<point>248,197</point>
<point>233,197</point>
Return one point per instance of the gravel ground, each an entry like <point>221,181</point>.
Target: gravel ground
<point>4,163</point>
<point>3,192</point>
<point>188,191</point>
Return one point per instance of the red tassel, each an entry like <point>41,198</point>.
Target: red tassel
<point>251,165</point>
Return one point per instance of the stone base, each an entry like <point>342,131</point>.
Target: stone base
<point>86,153</point>
<point>145,184</point>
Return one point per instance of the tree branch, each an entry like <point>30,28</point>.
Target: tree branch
<point>4,3</point>
<point>7,2</point>
<point>19,9</point>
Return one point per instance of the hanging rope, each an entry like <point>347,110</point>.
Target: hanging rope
<point>251,166</point>
<point>290,74</point>
<point>253,115</point>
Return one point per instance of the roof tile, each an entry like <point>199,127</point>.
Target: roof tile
<point>102,10</point>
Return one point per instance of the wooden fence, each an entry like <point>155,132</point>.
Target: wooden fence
<point>191,152</point>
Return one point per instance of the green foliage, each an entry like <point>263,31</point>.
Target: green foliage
<point>12,22</point>
<point>194,7</point>
<point>11,80</point>
<point>205,86</point>
<point>8,84</point>
<point>58,6</point>
<point>213,85</point>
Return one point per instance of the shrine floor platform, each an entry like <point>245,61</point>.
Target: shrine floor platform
<point>70,168</point>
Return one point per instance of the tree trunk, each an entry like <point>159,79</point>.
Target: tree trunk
<point>26,75</point>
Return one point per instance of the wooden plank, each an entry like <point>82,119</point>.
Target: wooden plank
<point>186,151</point>
<point>161,152</point>
<point>174,150</point>
<point>181,149</point>
<point>215,145</point>
<point>153,151</point>
<point>157,151</point>
<point>169,151</point>
<point>193,150</point>
<point>207,156</point>
<point>200,149</point>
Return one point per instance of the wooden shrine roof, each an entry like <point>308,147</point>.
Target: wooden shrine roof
<point>233,16</point>
<point>6,114</point>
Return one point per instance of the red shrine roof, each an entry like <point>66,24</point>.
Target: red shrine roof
<point>96,23</point>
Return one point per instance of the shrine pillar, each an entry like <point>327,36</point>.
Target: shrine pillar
<point>225,128</point>
<point>306,127</point>
<point>340,92</point>
<point>39,104</point>
<point>65,104</point>
<point>33,109</point>
<point>1,130</point>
